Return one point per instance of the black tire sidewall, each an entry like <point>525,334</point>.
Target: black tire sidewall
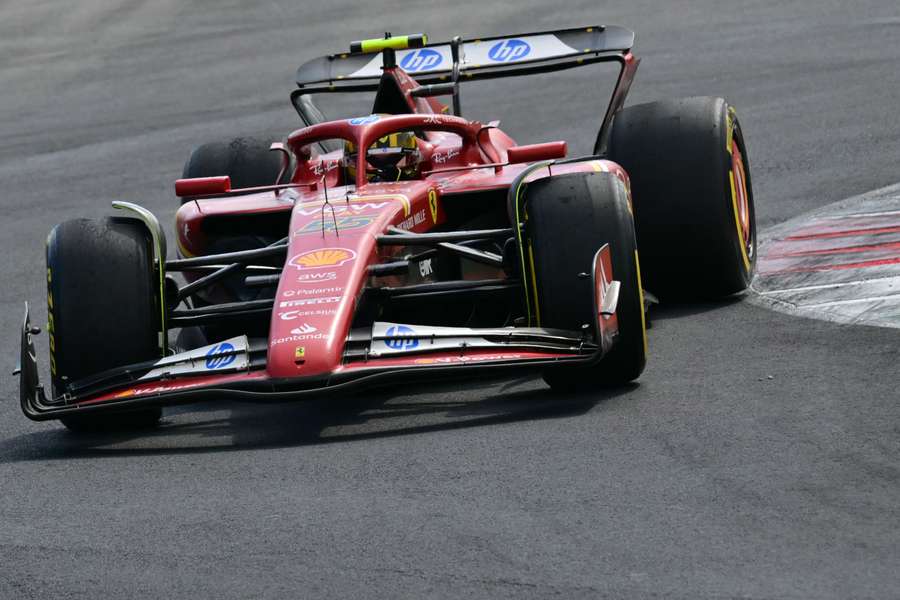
<point>679,163</point>
<point>103,302</point>
<point>570,217</point>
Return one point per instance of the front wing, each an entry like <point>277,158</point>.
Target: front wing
<point>235,369</point>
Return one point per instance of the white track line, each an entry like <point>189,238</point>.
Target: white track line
<point>853,301</point>
<point>826,286</point>
<point>860,215</point>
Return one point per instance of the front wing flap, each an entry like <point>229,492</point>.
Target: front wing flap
<point>606,299</point>
<point>31,392</point>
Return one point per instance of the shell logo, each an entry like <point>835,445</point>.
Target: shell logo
<point>324,257</point>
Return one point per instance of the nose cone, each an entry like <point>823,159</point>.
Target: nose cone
<point>330,248</point>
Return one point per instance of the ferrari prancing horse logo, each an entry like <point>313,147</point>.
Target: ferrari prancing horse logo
<point>433,204</point>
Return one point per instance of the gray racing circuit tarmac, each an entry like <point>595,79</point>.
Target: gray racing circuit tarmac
<point>756,458</point>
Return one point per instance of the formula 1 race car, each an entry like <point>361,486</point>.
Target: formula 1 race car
<point>408,244</point>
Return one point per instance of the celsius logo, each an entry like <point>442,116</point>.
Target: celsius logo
<point>214,358</point>
<point>401,337</point>
<point>421,60</point>
<point>509,50</point>
<point>363,121</point>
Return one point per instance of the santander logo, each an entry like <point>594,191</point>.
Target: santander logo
<point>305,332</point>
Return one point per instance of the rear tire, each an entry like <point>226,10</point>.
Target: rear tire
<point>570,217</point>
<point>247,160</point>
<point>693,199</point>
<point>103,308</point>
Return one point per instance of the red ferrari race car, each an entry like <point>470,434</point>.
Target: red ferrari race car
<point>408,244</point>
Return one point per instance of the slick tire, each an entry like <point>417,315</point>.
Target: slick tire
<point>693,199</point>
<point>570,217</point>
<point>247,160</point>
<point>103,308</point>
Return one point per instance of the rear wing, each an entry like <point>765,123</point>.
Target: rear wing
<point>483,58</point>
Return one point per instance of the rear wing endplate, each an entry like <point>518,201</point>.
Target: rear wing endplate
<point>483,58</point>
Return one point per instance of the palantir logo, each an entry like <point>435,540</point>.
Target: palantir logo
<point>421,60</point>
<point>215,358</point>
<point>509,50</point>
<point>400,337</point>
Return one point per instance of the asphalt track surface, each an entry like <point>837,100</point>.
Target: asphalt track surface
<point>757,457</point>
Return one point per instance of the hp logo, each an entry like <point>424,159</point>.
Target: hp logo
<point>214,358</point>
<point>421,60</point>
<point>400,338</point>
<point>509,50</point>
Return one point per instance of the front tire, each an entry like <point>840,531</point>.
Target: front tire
<point>570,217</point>
<point>103,308</point>
<point>693,199</point>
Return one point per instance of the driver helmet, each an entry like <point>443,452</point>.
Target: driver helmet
<point>394,157</point>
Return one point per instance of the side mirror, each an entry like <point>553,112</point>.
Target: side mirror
<point>202,186</point>
<point>536,152</point>
<point>302,153</point>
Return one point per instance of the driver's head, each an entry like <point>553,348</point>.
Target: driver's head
<point>394,157</point>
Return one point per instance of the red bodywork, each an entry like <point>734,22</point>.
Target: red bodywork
<point>333,225</point>
<point>324,295</point>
